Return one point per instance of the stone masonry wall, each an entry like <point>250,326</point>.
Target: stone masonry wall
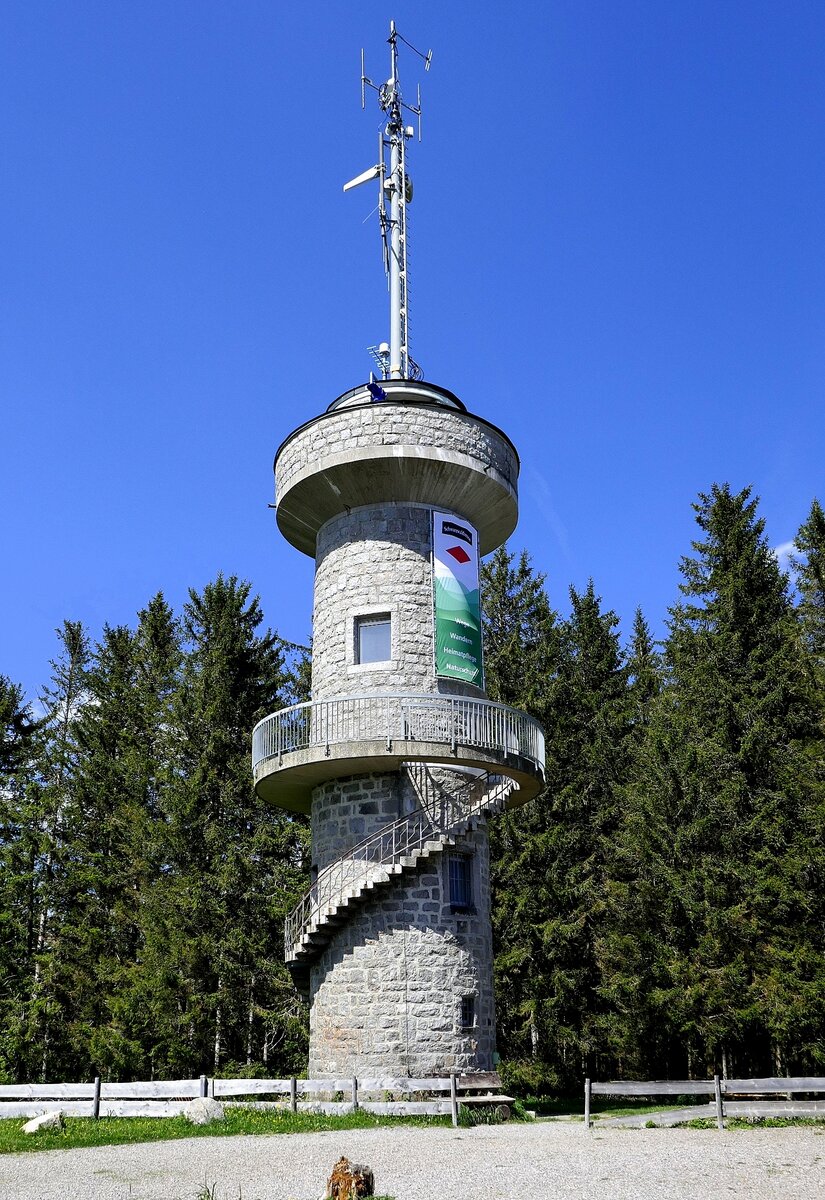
<point>373,560</point>
<point>345,811</point>
<point>395,424</point>
<point>387,992</point>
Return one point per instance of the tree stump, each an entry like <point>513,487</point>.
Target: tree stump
<point>350,1181</point>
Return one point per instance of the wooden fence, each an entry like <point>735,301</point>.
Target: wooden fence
<point>386,1096</point>
<point>721,1105</point>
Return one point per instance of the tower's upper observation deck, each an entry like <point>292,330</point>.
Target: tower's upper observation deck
<point>417,444</point>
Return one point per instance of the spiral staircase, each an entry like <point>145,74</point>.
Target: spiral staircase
<point>449,808</point>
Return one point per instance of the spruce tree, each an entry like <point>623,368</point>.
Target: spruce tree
<point>626,1040</point>
<point>114,830</point>
<point>18,854</point>
<point>722,833</point>
<point>520,652</point>
<point>591,746</point>
<point>16,729</point>
<point>549,859</point>
<point>62,701</point>
<point>810,578</point>
<point>217,989</point>
<point>645,671</point>
<point>520,635</point>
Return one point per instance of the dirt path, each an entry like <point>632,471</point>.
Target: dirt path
<point>545,1161</point>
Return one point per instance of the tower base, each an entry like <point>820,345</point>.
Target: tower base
<point>405,987</point>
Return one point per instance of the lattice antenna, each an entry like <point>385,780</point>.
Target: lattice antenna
<point>394,194</point>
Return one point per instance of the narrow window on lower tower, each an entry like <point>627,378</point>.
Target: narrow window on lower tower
<point>460,868</point>
<point>468,1012</point>
<point>373,638</point>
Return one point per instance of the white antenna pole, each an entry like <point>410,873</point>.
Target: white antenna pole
<point>398,243</point>
<point>395,185</point>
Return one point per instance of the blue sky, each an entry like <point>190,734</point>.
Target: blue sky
<point>616,254</point>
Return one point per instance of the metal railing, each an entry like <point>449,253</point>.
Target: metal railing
<point>396,719</point>
<point>437,818</point>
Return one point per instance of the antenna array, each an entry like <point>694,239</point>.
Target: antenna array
<point>394,194</point>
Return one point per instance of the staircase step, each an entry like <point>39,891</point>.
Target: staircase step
<point>477,804</point>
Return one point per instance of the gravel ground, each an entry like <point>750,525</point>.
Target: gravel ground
<point>545,1161</point>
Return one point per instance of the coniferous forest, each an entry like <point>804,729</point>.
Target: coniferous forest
<point>658,910</point>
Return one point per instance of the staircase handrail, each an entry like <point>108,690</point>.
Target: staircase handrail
<point>419,825</point>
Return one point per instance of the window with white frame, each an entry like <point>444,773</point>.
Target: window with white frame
<point>373,638</point>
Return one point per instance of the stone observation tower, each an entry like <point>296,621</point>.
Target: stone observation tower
<point>401,760</point>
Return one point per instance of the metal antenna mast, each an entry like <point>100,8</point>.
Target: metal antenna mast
<point>394,185</point>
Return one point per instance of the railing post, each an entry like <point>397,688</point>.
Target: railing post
<point>354,1094</point>
<point>96,1101</point>
<point>587,1103</point>
<point>293,1095</point>
<point>717,1090</point>
<point>454,1099</point>
<point>204,1086</point>
<point>389,731</point>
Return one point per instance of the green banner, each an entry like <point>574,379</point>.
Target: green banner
<point>456,599</point>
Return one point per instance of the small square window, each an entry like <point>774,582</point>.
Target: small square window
<point>468,1012</point>
<point>461,881</point>
<point>373,638</point>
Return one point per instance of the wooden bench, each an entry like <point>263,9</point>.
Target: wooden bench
<point>484,1088</point>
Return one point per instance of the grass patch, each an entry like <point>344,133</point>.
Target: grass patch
<point>118,1131</point>
<point>634,1110</point>
<point>752,1122</point>
<point>600,1106</point>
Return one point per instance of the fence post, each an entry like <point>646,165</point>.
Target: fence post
<point>717,1089</point>
<point>354,1094</point>
<point>587,1103</point>
<point>96,1102</point>
<point>454,1099</point>
<point>204,1086</point>
<point>293,1094</point>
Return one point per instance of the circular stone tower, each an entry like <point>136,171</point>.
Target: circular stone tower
<point>400,758</point>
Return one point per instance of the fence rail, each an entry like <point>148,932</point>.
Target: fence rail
<point>719,1089</point>
<point>170,1098</point>
<point>400,717</point>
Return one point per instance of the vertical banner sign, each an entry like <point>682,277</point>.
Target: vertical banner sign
<point>456,598</point>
